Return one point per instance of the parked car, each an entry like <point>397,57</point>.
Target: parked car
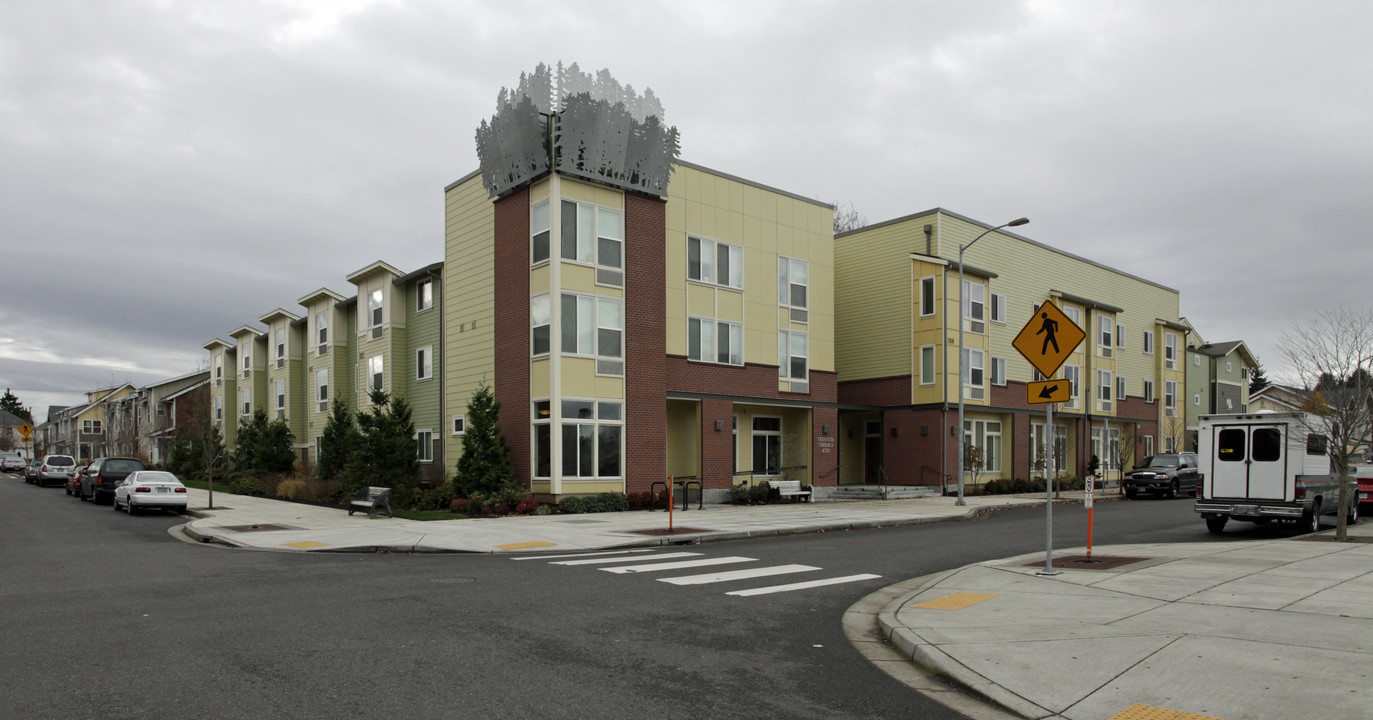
<point>103,475</point>
<point>150,489</point>
<point>74,480</point>
<point>31,472</point>
<point>12,462</point>
<point>1167,474</point>
<point>54,468</point>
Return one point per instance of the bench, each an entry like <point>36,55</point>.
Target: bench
<point>369,499</point>
<point>789,488</point>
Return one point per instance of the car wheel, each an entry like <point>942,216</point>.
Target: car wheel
<point>1173,490</point>
<point>114,504</point>
<point>1352,517</point>
<point>1131,494</point>
<point>1311,520</point>
<point>128,503</point>
<point>69,490</point>
<point>1216,525</point>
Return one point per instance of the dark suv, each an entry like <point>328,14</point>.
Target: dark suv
<point>100,478</point>
<point>1168,474</point>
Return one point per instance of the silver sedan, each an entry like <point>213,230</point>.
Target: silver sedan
<point>150,489</point>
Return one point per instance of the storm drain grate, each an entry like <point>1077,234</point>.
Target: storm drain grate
<point>262,527</point>
<point>1079,562</point>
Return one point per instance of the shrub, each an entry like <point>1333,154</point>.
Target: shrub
<point>573,504</point>
<point>460,505</point>
<point>246,486</point>
<point>542,510</point>
<point>436,498</point>
<point>738,494</point>
<point>527,506</point>
<point>760,493</point>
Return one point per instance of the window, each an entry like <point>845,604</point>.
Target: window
<point>1196,360</point>
<point>1316,444</point>
<point>424,363</point>
<point>927,368</point>
<point>1120,387</point>
<point>792,351</point>
<point>219,369</point>
<point>1148,445</point>
<point>539,228</point>
<point>1170,398</point>
<point>985,436</point>
<point>424,295</point>
<point>246,398</point>
<point>90,427</point>
<point>1169,444</point>
<point>1103,390</point>
<point>1104,344</point>
<point>543,442</point>
<point>1148,391</point>
<point>322,389</point>
<point>1039,450</point>
<point>1196,398</point>
<point>974,305</point>
<point>1244,371</point>
<point>322,329</point>
<point>1074,314</point>
<point>459,424</point>
<point>1106,446</point>
<point>715,262</point>
<point>998,371</point>
<point>1120,335</point>
<point>793,281</point>
<point>539,316</point>
<point>927,307</point>
<point>1148,342</point>
<point>1227,366</point>
<point>593,326</point>
<point>374,308</point>
<point>593,438</point>
<point>281,394</point>
<point>998,308</point>
<point>974,380</point>
<point>767,445</point>
<point>424,442</point>
<point>715,341</point>
<point>219,408</point>
<point>1170,350</point>
<point>375,379</point>
<point>593,235</point>
<point>247,363</point>
<point>280,346</point>
<point>1073,374</point>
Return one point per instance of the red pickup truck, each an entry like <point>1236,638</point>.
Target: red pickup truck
<point>1364,473</point>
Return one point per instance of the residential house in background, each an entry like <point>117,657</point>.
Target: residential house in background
<point>82,430</point>
<point>1278,398</point>
<point>139,421</point>
<point>224,389</point>
<point>1217,380</point>
<point>250,345</point>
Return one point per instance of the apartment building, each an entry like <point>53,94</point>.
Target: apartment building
<point>898,302</point>
<point>1217,380</point>
<point>142,423</point>
<point>82,431</point>
<point>223,388</point>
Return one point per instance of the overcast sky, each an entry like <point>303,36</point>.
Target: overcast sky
<point>171,170</point>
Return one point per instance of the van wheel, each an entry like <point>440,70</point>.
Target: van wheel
<point>1216,525</point>
<point>1311,520</point>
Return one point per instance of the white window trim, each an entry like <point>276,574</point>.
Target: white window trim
<point>934,296</point>
<point>713,352</point>
<point>424,356</point>
<point>1149,394</point>
<point>425,455</point>
<point>934,365</point>
<point>419,295</point>
<point>790,301</point>
<point>1148,342</point>
<point>459,424</point>
<point>715,246</point>
<point>997,307</point>
<point>998,371</point>
<point>371,374</point>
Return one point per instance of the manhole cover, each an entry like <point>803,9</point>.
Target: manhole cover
<point>1079,562</point>
<point>256,528</point>
<point>452,580</point>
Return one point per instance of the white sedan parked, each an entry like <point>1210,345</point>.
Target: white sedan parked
<point>150,489</point>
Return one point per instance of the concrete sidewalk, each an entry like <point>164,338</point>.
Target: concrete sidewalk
<point>251,522</point>
<point>1247,630</point>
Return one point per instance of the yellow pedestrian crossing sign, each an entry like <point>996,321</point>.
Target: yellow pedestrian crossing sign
<point>26,430</point>
<point>1048,338</point>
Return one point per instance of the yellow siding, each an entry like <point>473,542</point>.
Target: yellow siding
<point>468,300</point>
<point>683,438</point>
<point>873,294</point>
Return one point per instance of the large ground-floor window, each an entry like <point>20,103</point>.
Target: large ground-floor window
<point>767,445</point>
<point>592,434</point>
<point>984,436</point>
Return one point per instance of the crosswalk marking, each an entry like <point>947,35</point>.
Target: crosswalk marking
<point>738,574</point>
<point>608,560</point>
<point>802,585</point>
<point>582,555</point>
<point>655,567</point>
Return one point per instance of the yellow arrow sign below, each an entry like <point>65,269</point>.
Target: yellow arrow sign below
<point>1049,391</point>
<point>1048,339</point>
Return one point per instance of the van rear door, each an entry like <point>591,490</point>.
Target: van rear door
<point>1250,461</point>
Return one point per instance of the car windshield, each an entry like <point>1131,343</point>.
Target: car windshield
<point>156,476</point>
<point>121,466</point>
<point>60,460</point>
<point>1160,461</point>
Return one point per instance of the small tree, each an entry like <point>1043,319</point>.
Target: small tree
<point>339,439</point>
<point>972,460</point>
<point>385,454</point>
<point>264,446</point>
<point>1257,379</point>
<point>1331,356</point>
<point>484,465</point>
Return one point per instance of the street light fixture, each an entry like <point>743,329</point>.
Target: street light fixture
<point>963,352</point>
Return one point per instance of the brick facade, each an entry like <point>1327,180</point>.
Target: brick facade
<point>645,341</point>
<point>511,382</point>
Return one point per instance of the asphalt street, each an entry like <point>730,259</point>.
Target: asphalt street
<point>110,616</point>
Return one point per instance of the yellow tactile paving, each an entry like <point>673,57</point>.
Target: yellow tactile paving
<point>526,545</point>
<point>306,544</point>
<point>956,601</point>
<point>1147,712</point>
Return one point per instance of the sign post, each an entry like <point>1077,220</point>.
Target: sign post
<point>1089,485</point>
<point>1046,341</point>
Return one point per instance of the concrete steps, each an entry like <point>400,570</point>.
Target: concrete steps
<point>883,492</point>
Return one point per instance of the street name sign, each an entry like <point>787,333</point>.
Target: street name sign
<point>1048,339</point>
<point>1049,391</point>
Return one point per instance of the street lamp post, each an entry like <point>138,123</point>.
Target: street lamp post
<point>962,351</point>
